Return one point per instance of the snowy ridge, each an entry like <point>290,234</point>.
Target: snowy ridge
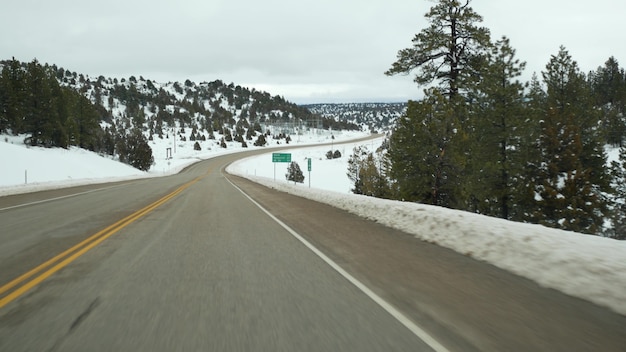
<point>585,266</point>
<point>376,116</point>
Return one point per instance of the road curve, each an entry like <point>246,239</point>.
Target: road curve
<point>208,270</point>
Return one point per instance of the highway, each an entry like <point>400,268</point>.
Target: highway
<point>205,261</point>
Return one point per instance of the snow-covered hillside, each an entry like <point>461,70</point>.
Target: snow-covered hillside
<point>376,116</point>
<point>590,267</point>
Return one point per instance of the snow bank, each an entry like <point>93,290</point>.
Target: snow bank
<point>30,169</point>
<point>588,267</point>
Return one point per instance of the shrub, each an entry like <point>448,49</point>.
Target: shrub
<point>137,151</point>
<point>333,155</point>
<point>294,173</point>
<point>260,141</point>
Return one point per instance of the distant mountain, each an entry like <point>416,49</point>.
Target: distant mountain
<point>377,117</point>
<point>55,107</point>
<point>202,104</point>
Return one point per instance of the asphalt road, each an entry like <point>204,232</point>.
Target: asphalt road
<point>192,264</point>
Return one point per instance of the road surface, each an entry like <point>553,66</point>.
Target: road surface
<point>190,263</point>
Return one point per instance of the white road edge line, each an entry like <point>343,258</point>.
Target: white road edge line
<point>56,198</point>
<point>409,324</point>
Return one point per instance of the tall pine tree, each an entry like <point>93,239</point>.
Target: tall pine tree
<point>12,111</point>
<point>447,51</point>
<point>609,90</point>
<point>497,125</point>
<point>572,173</point>
<point>425,152</point>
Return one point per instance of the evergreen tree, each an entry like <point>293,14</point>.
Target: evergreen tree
<point>82,121</point>
<point>572,175</point>
<point>372,177</point>
<point>40,117</point>
<point>355,163</point>
<point>496,126</point>
<point>426,153</point>
<point>529,157</point>
<point>448,50</point>
<point>260,141</point>
<point>609,90</point>
<point>250,133</point>
<point>618,170</point>
<point>13,86</point>
<point>108,141</point>
<point>228,137</point>
<point>138,151</point>
<point>294,173</point>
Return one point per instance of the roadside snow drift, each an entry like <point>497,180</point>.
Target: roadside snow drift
<point>585,266</point>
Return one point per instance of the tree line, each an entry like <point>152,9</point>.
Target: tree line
<point>483,141</point>
<point>33,103</point>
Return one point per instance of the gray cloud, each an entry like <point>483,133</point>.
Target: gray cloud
<point>305,50</point>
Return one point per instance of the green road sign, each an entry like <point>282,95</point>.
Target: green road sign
<point>281,157</point>
<point>309,163</point>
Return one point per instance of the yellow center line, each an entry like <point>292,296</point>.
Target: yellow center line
<point>81,248</point>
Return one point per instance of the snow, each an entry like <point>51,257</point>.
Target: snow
<point>30,169</point>
<point>589,267</point>
<point>33,169</point>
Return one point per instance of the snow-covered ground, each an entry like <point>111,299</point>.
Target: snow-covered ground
<point>28,169</point>
<point>588,267</point>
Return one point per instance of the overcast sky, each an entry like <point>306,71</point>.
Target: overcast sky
<point>306,50</point>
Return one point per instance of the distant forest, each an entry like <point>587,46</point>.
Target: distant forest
<point>377,117</point>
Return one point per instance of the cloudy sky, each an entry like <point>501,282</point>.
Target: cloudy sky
<point>306,50</point>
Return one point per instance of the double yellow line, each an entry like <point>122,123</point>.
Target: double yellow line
<point>60,261</point>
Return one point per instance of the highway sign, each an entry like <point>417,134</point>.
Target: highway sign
<point>281,157</point>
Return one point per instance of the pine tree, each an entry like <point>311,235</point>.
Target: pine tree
<point>426,155</point>
<point>497,122</point>
<point>618,171</point>
<point>448,50</point>
<point>138,151</point>
<point>260,141</point>
<point>294,173</point>
<point>529,158</point>
<point>355,163</point>
<point>41,119</point>
<point>572,176</point>
<point>4,103</point>
<point>609,90</point>
<point>83,121</point>
<point>15,92</point>
<point>429,149</point>
<point>368,173</point>
<point>108,140</point>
